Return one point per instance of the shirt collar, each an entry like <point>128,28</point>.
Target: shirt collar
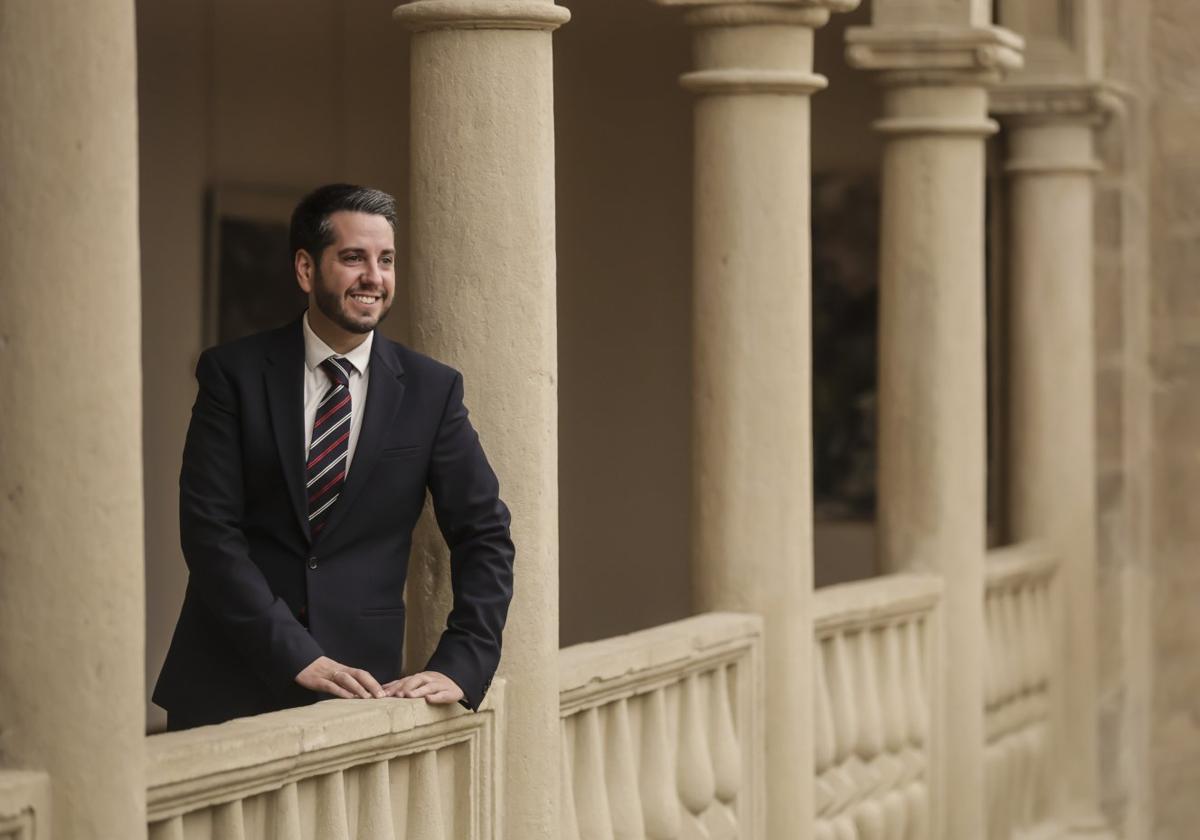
<point>317,351</point>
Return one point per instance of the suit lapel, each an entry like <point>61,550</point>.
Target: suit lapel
<point>385,391</point>
<point>284,376</point>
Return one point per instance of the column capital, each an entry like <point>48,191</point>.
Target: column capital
<point>424,15</point>
<point>811,14</point>
<point>1058,100</point>
<point>930,54</point>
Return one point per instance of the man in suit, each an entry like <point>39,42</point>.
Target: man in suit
<point>307,460</point>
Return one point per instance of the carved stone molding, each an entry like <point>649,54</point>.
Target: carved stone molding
<point>1058,99</point>
<point>934,54</point>
<point>423,15</point>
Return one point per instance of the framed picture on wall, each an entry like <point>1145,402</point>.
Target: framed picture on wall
<point>250,284</point>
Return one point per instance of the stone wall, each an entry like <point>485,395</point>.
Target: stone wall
<point>1124,576</point>
<point>1175,404</point>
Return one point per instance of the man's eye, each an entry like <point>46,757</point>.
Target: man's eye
<point>388,260</point>
<point>352,258</point>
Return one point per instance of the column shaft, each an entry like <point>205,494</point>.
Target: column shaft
<point>931,398</point>
<point>1052,412</point>
<point>71,578</point>
<point>752,487</point>
<point>483,294</point>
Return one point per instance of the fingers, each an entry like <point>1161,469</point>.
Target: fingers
<point>347,681</point>
<point>368,682</point>
<point>445,695</point>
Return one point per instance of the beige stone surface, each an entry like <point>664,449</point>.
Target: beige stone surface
<point>751,417</point>
<point>71,588</point>
<point>1175,319</point>
<point>931,343</point>
<point>483,280</point>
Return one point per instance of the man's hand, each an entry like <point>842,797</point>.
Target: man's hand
<point>325,675</point>
<point>433,686</point>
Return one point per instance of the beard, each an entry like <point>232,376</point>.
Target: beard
<point>333,306</point>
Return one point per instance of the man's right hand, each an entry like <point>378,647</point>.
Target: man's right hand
<point>330,677</point>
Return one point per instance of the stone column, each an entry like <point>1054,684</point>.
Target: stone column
<point>751,416</point>
<point>931,352</point>
<point>1051,397</point>
<point>72,637</point>
<point>483,294</point>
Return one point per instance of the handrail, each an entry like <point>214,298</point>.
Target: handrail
<point>874,600</point>
<point>231,765</point>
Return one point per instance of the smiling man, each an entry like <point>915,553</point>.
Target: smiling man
<point>307,460</point>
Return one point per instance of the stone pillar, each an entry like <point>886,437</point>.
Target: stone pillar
<point>931,354</point>
<point>751,416</point>
<point>1051,398</point>
<point>483,294</point>
<point>72,637</point>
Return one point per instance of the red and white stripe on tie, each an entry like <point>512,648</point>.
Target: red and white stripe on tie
<point>330,444</point>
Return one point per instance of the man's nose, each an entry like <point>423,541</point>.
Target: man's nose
<point>372,275</point>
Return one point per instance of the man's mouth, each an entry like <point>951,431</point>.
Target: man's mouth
<point>366,299</point>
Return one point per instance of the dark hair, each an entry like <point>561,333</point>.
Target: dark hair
<point>310,229</point>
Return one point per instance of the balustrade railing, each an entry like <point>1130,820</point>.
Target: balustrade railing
<point>24,805</point>
<point>1018,611</point>
<point>875,658</point>
<point>341,769</point>
<point>663,733</point>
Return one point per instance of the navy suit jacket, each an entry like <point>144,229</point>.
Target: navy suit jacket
<point>263,598</point>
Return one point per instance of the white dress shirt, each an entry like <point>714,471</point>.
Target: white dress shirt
<point>317,384</point>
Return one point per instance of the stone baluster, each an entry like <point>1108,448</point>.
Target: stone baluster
<point>726,757</point>
<point>825,742</point>
<point>570,819</point>
<point>425,820</point>
<point>284,813</point>
<point>936,60</point>
<point>591,791</point>
<point>484,300</point>
<point>331,823</point>
<point>228,822</point>
<point>168,829</point>
<point>72,600</point>
<point>916,674</point>
<point>660,806</point>
<point>375,803</point>
<point>695,778</point>
<point>620,773</point>
<point>868,815</point>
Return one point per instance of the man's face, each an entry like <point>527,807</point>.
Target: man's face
<point>352,284</point>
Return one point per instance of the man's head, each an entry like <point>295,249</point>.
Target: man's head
<point>343,245</point>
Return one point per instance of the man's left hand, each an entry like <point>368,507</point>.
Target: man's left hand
<point>433,686</point>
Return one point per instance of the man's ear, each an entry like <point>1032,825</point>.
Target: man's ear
<point>305,269</point>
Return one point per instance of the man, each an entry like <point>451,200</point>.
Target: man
<point>306,464</point>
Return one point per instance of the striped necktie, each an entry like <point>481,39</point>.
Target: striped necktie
<point>330,444</point>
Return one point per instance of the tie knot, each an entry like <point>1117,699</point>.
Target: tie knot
<point>338,370</point>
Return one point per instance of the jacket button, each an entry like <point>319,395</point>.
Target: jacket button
<point>312,562</point>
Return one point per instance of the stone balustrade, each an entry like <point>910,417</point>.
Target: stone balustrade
<point>876,646</point>
<point>341,769</point>
<point>662,733</point>
<point>24,805</point>
<point>1020,649</point>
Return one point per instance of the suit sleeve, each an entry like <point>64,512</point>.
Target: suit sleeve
<point>229,584</point>
<point>475,524</point>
